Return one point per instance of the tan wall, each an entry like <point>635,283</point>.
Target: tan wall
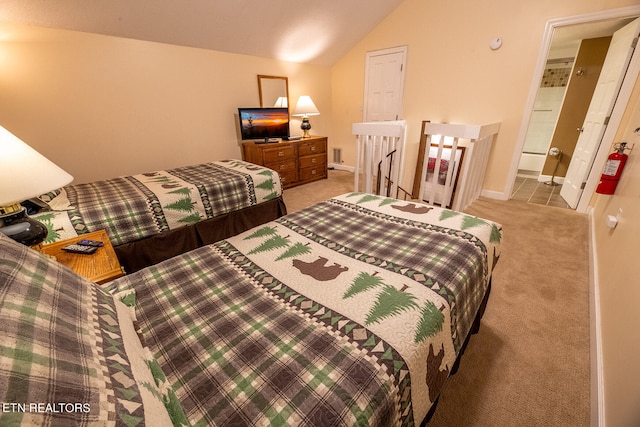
<point>452,75</point>
<point>619,281</point>
<point>102,106</point>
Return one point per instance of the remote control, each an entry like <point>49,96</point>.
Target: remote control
<point>85,242</point>
<point>80,249</point>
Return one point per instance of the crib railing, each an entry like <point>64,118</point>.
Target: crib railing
<point>437,183</point>
<point>380,156</point>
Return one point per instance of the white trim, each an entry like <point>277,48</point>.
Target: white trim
<point>597,370</point>
<point>614,122</point>
<point>497,195</point>
<point>341,167</point>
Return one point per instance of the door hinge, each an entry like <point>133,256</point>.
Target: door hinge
<point>606,120</point>
<point>634,43</point>
<point>584,184</point>
<point>402,66</point>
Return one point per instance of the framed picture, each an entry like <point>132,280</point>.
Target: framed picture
<point>446,162</point>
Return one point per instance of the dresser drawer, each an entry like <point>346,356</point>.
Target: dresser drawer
<point>314,160</point>
<point>310,174</point>
<point>282,165</point>
<point>274,155</point>
<point>312,147</point>
<point>288,178</point>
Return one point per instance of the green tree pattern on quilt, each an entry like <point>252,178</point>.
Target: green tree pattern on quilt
<point>185,204</point>
<point>389,301</point>
<point>52,234</point>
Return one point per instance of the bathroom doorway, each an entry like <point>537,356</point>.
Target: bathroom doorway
<point>557,65</point>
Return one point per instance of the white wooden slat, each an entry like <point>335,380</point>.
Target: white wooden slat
<point>474,163</point>
<point>374,142</point>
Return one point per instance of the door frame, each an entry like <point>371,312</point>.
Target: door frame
<point>616,115</point>
<point>398,49</point>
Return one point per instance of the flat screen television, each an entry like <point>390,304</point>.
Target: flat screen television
<point>264,124</point>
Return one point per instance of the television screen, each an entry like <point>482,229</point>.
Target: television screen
<point>264,123</point>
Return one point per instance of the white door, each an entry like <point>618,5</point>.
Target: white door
<point>384,82</point>
<point>602,103</point>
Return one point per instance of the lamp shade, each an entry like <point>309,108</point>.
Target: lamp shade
<point>281,102</point>
<point>25,173</point>
<point>305,107</point>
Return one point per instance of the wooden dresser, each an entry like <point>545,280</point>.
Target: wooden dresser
<point>297,162</point>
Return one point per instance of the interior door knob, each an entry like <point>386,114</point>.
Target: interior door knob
<point>580,129</point>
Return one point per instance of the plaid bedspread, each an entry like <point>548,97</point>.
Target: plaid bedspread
<point>69,353</point>
<point>134,207</point>
<point>349,312</point>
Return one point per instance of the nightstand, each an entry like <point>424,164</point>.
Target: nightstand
<point>101,267</point>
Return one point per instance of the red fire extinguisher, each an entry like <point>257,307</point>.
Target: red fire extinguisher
<point>613,169</point>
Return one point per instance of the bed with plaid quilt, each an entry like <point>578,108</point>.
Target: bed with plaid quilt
<point>349,312</point>
<point>134,207</point>
<point>70,354</point>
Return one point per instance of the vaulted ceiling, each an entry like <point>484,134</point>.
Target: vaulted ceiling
<point>317,32</point>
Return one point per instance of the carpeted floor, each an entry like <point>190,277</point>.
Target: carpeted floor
<point>529,364</point>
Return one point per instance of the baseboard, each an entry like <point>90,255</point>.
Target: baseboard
<point>496,195</point>
<point>341,167</point>
<point>597,373</point>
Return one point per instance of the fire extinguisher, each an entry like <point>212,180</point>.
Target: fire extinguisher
<point>613,169</point>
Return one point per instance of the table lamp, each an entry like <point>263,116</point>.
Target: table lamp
<point>305,108</point>
<point>24,173</point>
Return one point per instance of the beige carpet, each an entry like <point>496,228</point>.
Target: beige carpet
<point>529,364</point>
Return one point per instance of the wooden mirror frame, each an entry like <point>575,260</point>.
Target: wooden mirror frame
<point>270,87</point>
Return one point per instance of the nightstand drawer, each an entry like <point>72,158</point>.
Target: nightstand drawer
<point>279,154</point>
<point>311,161</point>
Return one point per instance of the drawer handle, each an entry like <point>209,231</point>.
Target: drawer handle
<point>313,160</point>
<point>313,148</point>
<point>280,153</point>
<point>313,172</point>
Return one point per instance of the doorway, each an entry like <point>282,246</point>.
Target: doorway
<point>561,35</point>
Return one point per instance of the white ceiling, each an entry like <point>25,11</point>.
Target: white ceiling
<point>317,32</point>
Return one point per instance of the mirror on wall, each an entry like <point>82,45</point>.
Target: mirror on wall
<point>273,90</point>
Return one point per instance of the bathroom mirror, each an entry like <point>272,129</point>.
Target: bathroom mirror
<point>273,90</point>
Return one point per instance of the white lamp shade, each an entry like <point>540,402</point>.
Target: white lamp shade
<point>305,107</point>
<point>25,173</point>
<point>281,102</point>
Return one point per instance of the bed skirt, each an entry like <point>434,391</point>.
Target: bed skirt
<point>139,254</point>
